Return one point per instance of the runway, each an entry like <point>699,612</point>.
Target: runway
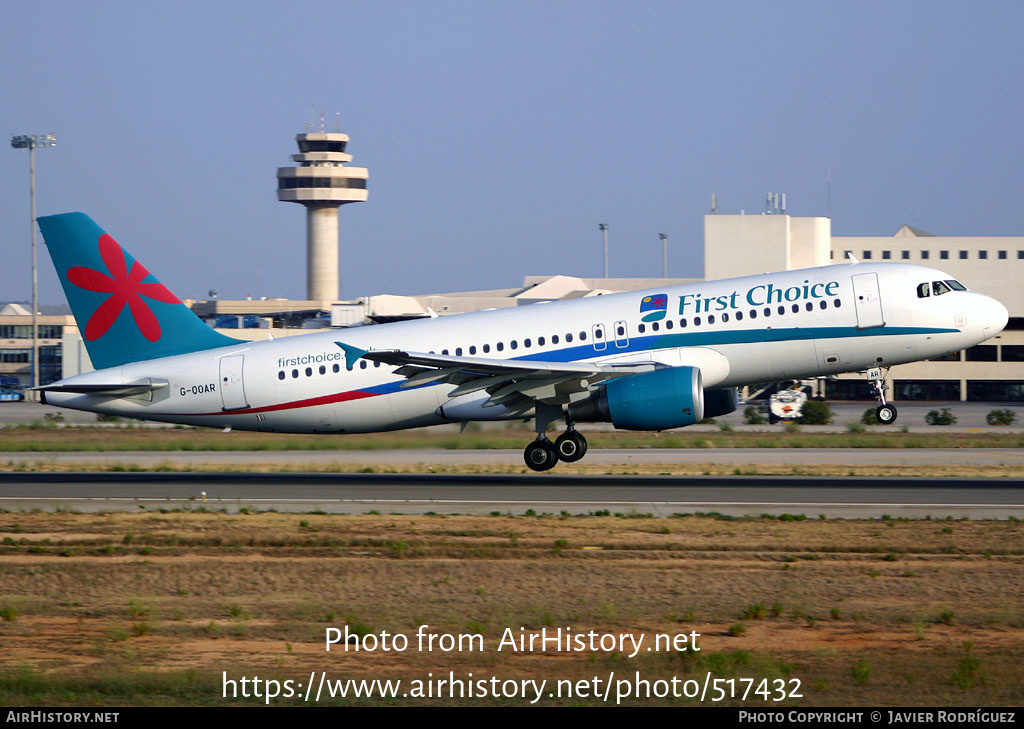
<point>608,456</point>
<point>543,493</point>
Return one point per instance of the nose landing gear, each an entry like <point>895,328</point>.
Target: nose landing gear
<point>885,412</point>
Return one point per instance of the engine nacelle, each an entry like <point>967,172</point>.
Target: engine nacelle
<point>658,400</point>
<point>721,402</point>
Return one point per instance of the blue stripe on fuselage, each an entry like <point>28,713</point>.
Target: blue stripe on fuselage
<point>656,342</point>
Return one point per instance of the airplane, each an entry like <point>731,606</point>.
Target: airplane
<point>644,360</point>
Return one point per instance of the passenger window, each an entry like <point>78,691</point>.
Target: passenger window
<point>309,372</point>
<point>641,328</point>
<point>362,364</point>
<point>822,304</point>
<point>280,375</point>
<point>711,319</point>
<point>323,370</point>
<point>739,316</point>
<point>487,348</point>
<point>621,330</point>
<point>295,373</point>
<point>501,346</point>
<point>526,343</point>
<point>540,341</point>
<point>514,344</point>
<point>682,323</point>
<point>458,351</point>
<point>472,349</point>
<point>767,311</point>
<point>782,310</point>
<point>668,324</point>
<point>753,313</point>
<point>655,326</point>
<point>336,369</point>
<point>696,321</point>
<point>583,336</point>
<point>725,318</point>
<point>837,303</point>
<point>444,351</point>
<point>554,339</point>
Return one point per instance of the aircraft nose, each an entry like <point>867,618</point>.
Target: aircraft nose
<point>995,317</point>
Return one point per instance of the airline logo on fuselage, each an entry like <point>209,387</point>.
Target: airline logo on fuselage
<point>759,295</point>
<point>653,307</point>
<point>315,358</point>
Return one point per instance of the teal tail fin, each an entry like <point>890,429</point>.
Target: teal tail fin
<point>123,312</point>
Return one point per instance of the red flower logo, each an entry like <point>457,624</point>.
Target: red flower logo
<point>124,287</point>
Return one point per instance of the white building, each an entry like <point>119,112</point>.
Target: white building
<point>739,245</point>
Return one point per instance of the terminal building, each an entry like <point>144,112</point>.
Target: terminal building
<point>734,245</point>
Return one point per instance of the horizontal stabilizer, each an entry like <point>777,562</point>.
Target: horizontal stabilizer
<point>124,389</point>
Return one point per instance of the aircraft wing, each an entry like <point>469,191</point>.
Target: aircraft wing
<point>517,384</point>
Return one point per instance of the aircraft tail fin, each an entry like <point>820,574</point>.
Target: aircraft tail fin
<point>123,312</point>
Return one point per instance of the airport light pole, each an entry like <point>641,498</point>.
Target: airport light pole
<point>664,255</point>
<point>604,230</point>
<point>31,142</point>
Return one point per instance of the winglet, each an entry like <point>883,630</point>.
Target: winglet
<point>352,354</point>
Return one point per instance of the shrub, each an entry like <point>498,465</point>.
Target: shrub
<point>945,417</point>
<point>1001,417</point>
<point>755,612</point>
<point>861,672</point>
<point>737,629</point>
<point>815,412</point>
<point>869,417</point>
<point>752,416</point>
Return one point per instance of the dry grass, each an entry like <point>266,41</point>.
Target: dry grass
<point>205,439</point>
<point>150,608</point>
<point>246,464</point>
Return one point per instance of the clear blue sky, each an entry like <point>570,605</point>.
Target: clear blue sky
<point>499,134</point>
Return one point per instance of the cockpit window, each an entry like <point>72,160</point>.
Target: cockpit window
<point>956,285</point>
<point>939,288</point>
<point>924,290</point>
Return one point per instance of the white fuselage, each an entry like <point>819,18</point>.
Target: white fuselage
<point>794,324</point>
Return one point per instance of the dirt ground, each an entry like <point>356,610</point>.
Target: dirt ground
<point>158,608</point>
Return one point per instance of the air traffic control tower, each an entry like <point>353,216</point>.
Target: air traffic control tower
<point>322,183</point>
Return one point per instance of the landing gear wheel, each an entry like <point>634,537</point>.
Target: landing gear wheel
<point>886,414</point>
<point>540,455</point>
<point>571,446</point>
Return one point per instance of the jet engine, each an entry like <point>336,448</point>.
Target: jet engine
<point>721,402</point>
<point>658,400</point>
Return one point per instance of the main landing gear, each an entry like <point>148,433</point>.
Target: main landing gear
<point>542,454</point>
<point>885,412</point>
